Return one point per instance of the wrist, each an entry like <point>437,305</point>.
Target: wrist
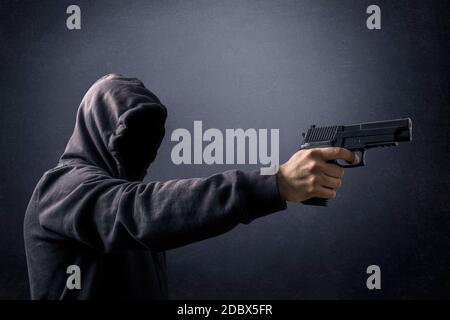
<point>281,183</point>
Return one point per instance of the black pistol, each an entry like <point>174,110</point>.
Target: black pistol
<point>357,138</point>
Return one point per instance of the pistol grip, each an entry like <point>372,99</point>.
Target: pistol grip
<point>316,202</point>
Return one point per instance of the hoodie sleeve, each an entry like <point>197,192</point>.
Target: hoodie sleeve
<point>110,214</point>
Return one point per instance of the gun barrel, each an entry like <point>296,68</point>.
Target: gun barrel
<point>399,130</point>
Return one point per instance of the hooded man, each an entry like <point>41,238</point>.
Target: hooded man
<point>93,211</point>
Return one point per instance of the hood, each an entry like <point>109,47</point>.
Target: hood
<point>119,128</point>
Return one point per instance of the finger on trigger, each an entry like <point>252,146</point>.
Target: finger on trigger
<point>336,153</point>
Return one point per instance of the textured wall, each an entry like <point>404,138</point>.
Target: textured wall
<point>251,64</point>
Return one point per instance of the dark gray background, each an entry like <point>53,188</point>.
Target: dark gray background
<point>251,64</point>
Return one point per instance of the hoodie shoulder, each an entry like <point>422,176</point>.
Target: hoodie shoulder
<point>62,179</point>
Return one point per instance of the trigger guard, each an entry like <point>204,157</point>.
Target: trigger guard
<point>361,162</point>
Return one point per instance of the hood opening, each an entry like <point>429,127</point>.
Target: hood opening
<point>136,145</point>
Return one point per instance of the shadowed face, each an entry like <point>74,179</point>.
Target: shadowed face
<point>139,145</point>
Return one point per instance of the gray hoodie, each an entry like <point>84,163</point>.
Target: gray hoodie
<point>93,210</point>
